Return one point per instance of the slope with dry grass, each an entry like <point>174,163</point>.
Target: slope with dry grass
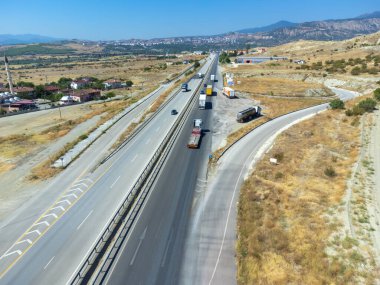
<point>288,212</point>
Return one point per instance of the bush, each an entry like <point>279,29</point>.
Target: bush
<point>376,94</point>
<point>357,111</point>
<point>356,71</point>
<point>368,105</point>
<point>110,94</point>
<point>330,171</point>
<point>279,156</point>
<point>197,64</point>
<point>337,104</point>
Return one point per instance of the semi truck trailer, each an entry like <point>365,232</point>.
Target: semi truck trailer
<point>196,134</point>
<point>229,92</point>
<point>209,90</point>
<point>248,114</point>
<point>202,101</point>
<point>212,77</point>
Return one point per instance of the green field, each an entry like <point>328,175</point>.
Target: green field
<point>36,49</point>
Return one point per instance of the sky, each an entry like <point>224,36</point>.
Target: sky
<point>125,19</point>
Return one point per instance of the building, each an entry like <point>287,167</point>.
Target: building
<point>85,95</point>
<point>20,105</point>
<point>24,91</point>
<point>51,89</point>
<point>254,59</point>
<point>77,84</point>
<point>112,84</point>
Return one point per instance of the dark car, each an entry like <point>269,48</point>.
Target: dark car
<point>203,91</point>
<point>174,112</point>
<point>184,87</point>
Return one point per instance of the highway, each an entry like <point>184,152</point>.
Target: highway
<point>54,256</point>
<point>153,250</point>
<point>209,256</point>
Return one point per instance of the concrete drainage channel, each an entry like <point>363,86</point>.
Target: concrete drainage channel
<point>99,261</point>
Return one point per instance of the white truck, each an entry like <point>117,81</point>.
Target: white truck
<point>212,77</point>
<point>229,92</point>
<point>202,101</point>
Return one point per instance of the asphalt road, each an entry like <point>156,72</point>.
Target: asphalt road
<point>209,256</point>
<point>56,255</point>
<point>153,250</point>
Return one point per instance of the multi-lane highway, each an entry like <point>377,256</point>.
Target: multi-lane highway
<point>53,257</point>
<point>153,250</point>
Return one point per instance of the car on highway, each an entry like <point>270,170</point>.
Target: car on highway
<point>184,87</point>
<point>203,91</point>
<point>174,112</point>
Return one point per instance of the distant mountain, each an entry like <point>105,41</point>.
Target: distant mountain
<point>278,25</point>
<point>370,15</point>
<point>6,39</point>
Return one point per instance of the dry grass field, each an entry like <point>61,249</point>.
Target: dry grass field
<point>288,212</point>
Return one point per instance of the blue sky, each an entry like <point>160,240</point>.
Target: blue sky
<point>124,19</point>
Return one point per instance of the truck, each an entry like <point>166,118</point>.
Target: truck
<point>229,92</point>
<point>209,90</point>
<point>212,77</point>
<point>248,114</point>
<point>196,134</point>
<point>202,101</point>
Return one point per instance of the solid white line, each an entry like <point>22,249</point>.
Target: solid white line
<point>133,159</point>
<point>84,220</point>
<point>54,215</point>
<point>77,185</point>
<point>25,240</point>
<point>44,222</point>
<point>69,195</point>
<point>58,207</point>
<point>228,217</point>
<point>115,182</point>
<point>35,231</point>
<point>157,129</point>
<point>147,141</point>
<point>167,248</point>
<point>76,189</point>
<point>64,201</point>
<point>138,246</point>
<point>49,263</point>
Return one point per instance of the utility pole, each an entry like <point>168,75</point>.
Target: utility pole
<point>9,76</point>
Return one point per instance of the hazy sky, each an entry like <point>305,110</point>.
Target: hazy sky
<point>124,19</point>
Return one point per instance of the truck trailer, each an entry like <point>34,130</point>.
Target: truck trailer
<point>248,113</point>
<point>196,134</point>
<point>229,92</point>
<point>209,90</point>
<point>212,77</point>
<point>202,101</point>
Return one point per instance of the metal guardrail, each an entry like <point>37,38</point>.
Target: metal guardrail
<point>133,201</point>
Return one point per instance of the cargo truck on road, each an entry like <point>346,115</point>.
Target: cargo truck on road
<point>212,77</point>
<point>248,114</point>
<point>196,134</point>
<point>202,101</point>
<point>209,90</point>
<point>229,92</point>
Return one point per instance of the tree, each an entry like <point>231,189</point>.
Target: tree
<point>224,58</point>
<point>128,83</point>
<point>197,64</point>
<point>25,84</point>
<point>356,70</point>
<point>337,104</point>
<point>367,105</point>
<point>64,82</point>
<point>40,91</point>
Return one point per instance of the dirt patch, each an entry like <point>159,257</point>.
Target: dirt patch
<point>290,220</point>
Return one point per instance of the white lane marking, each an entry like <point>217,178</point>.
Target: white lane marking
<point>69,195</point>
<point>19,252</point>
<point>167,248</point>
<point>64,201</point>
<point>133,159</point>
<point>76,189</point>
<point>58,207</point>
<point>35,231</point>
<point>138,246</point>
<point>54,215</point>
<point>78,184</point>
<point>48,263</point>
<point>113,184</point>
<point>89,214</point>
<point>158,129</point>
<point>25,240</point>
<point>147,141</point>
<point>44,222</point>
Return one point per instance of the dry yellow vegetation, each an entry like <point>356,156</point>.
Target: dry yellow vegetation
<point>277,86</point>
<point>287,212</point>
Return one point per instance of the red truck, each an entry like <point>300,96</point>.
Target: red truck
<point>196,134</point>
